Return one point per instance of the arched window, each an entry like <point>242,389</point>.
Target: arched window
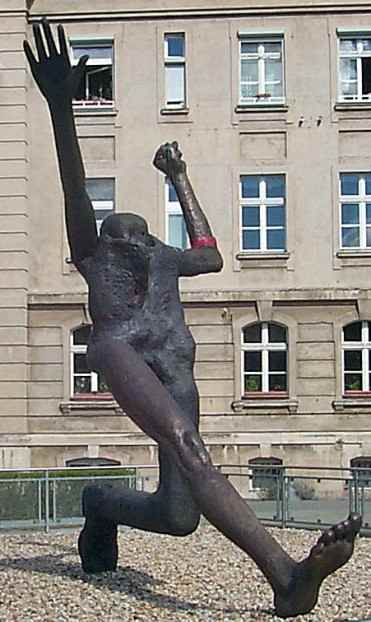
<point>92,462</point>
<point>356,350</point>
<point>264,358</point>
<point>363,463</point>
<point>264,473</point>
<point>83,381</point>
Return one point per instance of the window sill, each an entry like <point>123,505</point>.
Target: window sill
<point>266,401</point>
<point>263,259</point>
<point>353,400</point>
<point>353,105</point>
<point>359,252</point>
<point>265,107</point>
<point>175,111</point>
<point>96,111</point>
<point>91,404</point>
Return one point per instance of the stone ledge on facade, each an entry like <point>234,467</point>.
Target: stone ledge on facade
<point>352,106</point>
<point>290,405</point>
<point>352,403</point>
<point>246,108</point>
<point>90,407</point>
<point>263,259</point>
<point>318,296</point>
<point>174,111</point>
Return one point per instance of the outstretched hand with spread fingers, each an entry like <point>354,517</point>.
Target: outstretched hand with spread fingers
<point>53,73</point>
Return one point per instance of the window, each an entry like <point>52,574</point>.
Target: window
<point>261,70</point>
<point>101,192</point>
<point>175,70</point>
<point>92,462</point>
<point>263,213</point>
<point>357,356</point>
<point>264,358</point>
<point>355,210</point>
<point>176,232</point>
<point>355,68</point>
<point>83,381</point>
<point>363,472</point>
<point>265,474</point>
<point>96,87</point>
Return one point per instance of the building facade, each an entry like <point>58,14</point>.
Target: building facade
<point>271,105</point>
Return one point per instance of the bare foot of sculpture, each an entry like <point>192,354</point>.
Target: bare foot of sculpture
<point>333,550</point>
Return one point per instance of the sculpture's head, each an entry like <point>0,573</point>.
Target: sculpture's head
<point>127,230</point>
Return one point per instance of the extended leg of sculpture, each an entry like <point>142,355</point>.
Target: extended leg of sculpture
<point>149,404</point>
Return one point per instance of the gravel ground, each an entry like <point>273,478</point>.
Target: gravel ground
<point>202,577</point>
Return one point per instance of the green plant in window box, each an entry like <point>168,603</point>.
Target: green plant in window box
<point>355,385</point>
<point>252,385</point>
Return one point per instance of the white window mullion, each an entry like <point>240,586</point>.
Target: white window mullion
<point>261,70</point>
<point>365,381</point>
<point>359,78</point>
<point>94,382</point>
<point>265,369</point>
<point>362,223</point>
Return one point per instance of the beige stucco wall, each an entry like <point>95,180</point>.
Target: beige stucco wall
<point>314,291</point>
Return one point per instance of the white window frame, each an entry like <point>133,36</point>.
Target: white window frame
<point>93,43</point>
<point>262,97</point>
<point>265,346</point>
<point>358,54</point>
<point>364,346</point>
<point>80,349</point>
<point>361,199</point>
<point>262,201</point>
<point>106,205</point>
<point>175,61</point>
<point>172,208</point>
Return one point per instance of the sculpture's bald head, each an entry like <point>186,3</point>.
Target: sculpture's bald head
<point>125,226</point>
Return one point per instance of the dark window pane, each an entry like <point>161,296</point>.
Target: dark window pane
<point>81,335</point>
<point>253,361</point>
<point>175,45</point>
<point>251,240</point>
<point>275,216</point>
<point>252,334</point>
<point>366,75</point>
<point>350,214</point>
<point>353,332</point>
<point>368,236</point>
<point>249,48</point>
<point>253,383</point>
<point>173,198</point>
<point>276,333</point>
<point>368,213</point>
<point>276,239</point>
<point>82,384</point>
<point>368,184</point>
<point>100,189</point>
<point>277,361</point>
<point>250,217</point>
<point>80,364</point>
<point>102,385</point>
<point>353,360</point>
<point>277,382</point>
<point>349,183</point>
<point>350,236</point>
<point>275,186</point>
<point>249,186</point>
<point>353,382</point>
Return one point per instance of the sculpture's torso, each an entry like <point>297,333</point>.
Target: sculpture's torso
<point>136,299</point>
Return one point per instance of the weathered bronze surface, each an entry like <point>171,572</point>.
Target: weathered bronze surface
<point>141,344</point>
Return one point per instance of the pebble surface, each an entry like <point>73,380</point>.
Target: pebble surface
<point>202,577</point>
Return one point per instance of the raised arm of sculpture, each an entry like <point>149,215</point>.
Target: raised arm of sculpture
<point>203,256</point>
<point>58,81</point>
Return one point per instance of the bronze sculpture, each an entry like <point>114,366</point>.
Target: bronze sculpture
<point>142,346</point>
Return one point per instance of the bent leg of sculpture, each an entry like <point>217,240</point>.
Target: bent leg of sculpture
<point>148,403</point>
<point>170,510</point>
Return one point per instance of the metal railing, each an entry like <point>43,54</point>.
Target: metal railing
<point>284,496</point>
<point>302,496</point>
